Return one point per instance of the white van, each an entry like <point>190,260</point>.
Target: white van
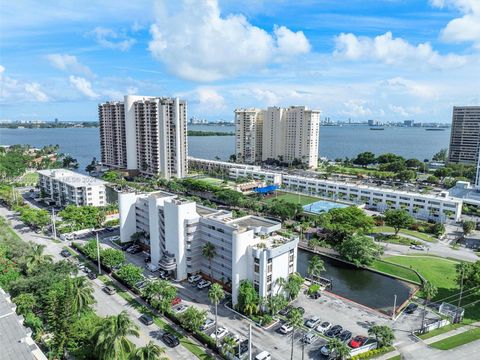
<point>264,355</point>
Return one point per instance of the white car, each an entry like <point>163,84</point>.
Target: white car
<point>203,284</point>
<point>286,329</point>
<point>114,238</point>
<point>325,350</point>
<point>180,309</point>
<point>323,327</point>
<point>207,324</point>
<point>194,278</point>
<point>309,338</point>
<point>417,247</point>
<point>221,333</point>
<point>312,322</point>
<point>65,237</point>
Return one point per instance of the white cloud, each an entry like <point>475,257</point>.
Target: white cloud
<point>411,87</point>
<point>356,108</point>
<point>465,28</point>
<point>111,39</point>
<point>13,90</point>
<point>35,90</point>
<point>68,63</point>
<point>392,51</point>
<point>399,110</point>
<point>195,42</point>
<point>211,99</point>
<point>83,85</point>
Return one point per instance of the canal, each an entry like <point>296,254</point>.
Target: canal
<point>362,286</point>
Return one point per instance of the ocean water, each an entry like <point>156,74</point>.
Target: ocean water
<point>335,141</point>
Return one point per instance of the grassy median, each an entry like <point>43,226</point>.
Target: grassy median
<point>457,340</point>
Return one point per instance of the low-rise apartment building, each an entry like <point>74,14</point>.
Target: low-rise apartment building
<point>175,230</point>
<point>66,187</point>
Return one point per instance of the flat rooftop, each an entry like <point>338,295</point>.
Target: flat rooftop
<point>253,221</point>
<point>205,211</point>
<point>72,178</point>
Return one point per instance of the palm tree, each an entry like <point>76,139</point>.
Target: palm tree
<point>315,266</point>
<point>37,257</point>
<point>295,320</point>
<point>216,294</point>
<point>429,291</point>
<point>151,351</point>
<point>338,348</point>
<point>110,337</point>
<point>228,346</point>
<point>82,294</point>
<point>280,283</point>
<point>208,251</point>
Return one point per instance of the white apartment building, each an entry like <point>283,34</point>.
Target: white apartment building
<point>281,134</point>
<point>66,187</point>
<point>155,135</point>
<point>212,166</point>
<point>248,135</point>
<point>250,247</point>
<point>113,146</point>
<point>465,135</point>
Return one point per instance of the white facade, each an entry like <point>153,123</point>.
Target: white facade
<point>113,146</point>
<point>155,135</point>
<point>178,229</point>
<point>66,187</point>
<point>281,134</point>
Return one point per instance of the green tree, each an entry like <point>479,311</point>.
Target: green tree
<point>468,274</point>
<point>82,293</point>
<point>25,303</point>
<point>360,250</point>
<point>151,351</point>
<point>383,334</point>
<point>37,257</point>
<point>468,226</point>
<point>193,318</point>
<point>111,337</point>
<point>160,294</point>
<point>338,348</point>
<point>438,229</point>
<point>406,175</point>
<point>315,267</point>
<point>280,283</point>
<point>275,303</point>
<point>247,298</point>
<point>228,346</point>
<point>216,294</point>
<point>111,176</point>
<point>398,219</point>
<point>429,292</point>
<point>112,257</point>
<point>130,274</point>
<point>295,320</point>
<point>209,252</point>
<point>389,158</point>
<point>294,285</point>
<point>341,223</point>
<point>442,155</point>
<point>364,159</point>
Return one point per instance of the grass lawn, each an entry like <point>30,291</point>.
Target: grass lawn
<point>422,236</point>
<point>395,270</point>
<point>214,181</point>
<point>293,198</point>
<point>30,178</point>
<point>457,340</point>
<point>440,331</point>
<point>400,240</point>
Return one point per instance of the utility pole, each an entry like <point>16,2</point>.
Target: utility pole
<point>98,257</point>
<point>54,228</point>
<point>461,285</point>
<point>394,306</point>
<point>249,341</point>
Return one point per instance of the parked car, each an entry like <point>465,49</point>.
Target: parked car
<point>309,338</point>
<point>357,341</point>
<point>207,324</point>
<point>315,295</point>
<point>125,247</point>
<point>109,290</point>
<point>114,238</point>
<point>325,350</point>
<point>285,310</point>
<point>345,335</point>
<point>264,355</point>
<point>180,309</point>
<point>410,309</point>
<point>204,284</point>
<point>221,333</point>
<point>194,278</point>
<point>333,331</point>
<point>65,253</point>
<point>286,329</point>
<point>170,339</point>
<point>146,319</point>
<point>312,322</point>
<point>417,247</point>
<point>148,259</point>
<point>110,228</point>
<point>324,327</point>
<point>92,275</point>
<point>176,301</point>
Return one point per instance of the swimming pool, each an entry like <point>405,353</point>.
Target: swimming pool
<point>321,206</point>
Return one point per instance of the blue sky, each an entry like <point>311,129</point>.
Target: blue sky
<point>382,59</point>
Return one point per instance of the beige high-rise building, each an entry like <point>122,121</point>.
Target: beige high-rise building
<point>113,146</point>
<point>465,135</point>
<point>287,135</point>
<point>248,135</point>
<point>154,135</point>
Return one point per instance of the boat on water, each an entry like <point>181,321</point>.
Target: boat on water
<point>435,129</point>
<point>377,128</point>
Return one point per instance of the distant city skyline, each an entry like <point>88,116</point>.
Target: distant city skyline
<point>386,60</point>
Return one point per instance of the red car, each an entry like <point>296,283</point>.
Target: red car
<point>176,301</point>
<point>357,341</point>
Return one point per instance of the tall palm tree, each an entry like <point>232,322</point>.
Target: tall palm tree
<point>315,266</point>
<point>111,337</point>
<point>295,320</point>
<point>208,251</point>
<point>338,348</point>
<point>151,351</point>
<point>216,294</point>
<point>280,283</point>
<point>82,294</point>
<point>228,346</point>
<point>429,291</point>
<point>37,257</point>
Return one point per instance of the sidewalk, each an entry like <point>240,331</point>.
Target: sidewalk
<point>451,333</point>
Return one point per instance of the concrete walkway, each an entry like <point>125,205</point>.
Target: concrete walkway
<point>451,333</point>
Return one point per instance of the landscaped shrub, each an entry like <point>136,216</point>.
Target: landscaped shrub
<point>373,353</point>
